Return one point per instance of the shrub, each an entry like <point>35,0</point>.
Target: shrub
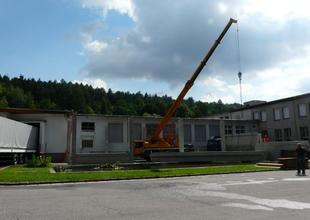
<point>112,166</point>
<point>39,161</point>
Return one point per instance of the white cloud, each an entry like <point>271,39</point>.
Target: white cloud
<point>96,46</point>
<point>222,7</point>
<point>216,88</point>
<point>92,46</point>
<point>287,79</point>
<point>122,6</point>
<point>95,83</point>
<point>277,10</point>
<point>283,81</point>
<point>170,39</point>
<point>146,39</point>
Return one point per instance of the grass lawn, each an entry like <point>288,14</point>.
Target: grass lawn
<point>21,174</point>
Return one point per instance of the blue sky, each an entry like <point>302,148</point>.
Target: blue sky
<point>41,39</point>
<point>154,46</point>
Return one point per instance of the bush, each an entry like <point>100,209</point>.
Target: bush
<point>112,166</point>
<point>39,161</point>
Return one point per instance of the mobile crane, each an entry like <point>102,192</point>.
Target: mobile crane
<point>168,142</point>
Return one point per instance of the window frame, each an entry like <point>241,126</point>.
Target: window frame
<point>274,114</point>
<point>204,137</point>
<point>256,115</point>
<point>228,129</point>
<point>299,110</point>
<point>285,136</point>
<point>88,126</point>
<point>276,136</point>
<point>240,129</point>
<point>89,140</point>
<point>109,130</point>
<point>263,119</point>
<point>306,132</point>
<point>187,135</point>
<point>288,112</point>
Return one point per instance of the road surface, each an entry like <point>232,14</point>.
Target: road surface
<point>261,195</point>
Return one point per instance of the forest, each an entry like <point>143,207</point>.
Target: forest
<point>21,92</point>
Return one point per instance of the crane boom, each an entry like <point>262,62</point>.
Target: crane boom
<point>189,84</point>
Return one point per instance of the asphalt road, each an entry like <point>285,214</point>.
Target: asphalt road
<point>262,195</point>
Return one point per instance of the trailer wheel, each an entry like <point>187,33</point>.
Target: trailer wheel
<point>15,159</point>
<point>21,159</point>
<point>147,156</point>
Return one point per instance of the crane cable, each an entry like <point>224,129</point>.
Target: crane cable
<point>239,73</point>
<point>239,62</point>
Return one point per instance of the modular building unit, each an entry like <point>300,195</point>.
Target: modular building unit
<point>235,134</point>
<point>16,139</point>
<point>100,139</point>
<point>91,138</point>
<point>54,130</point>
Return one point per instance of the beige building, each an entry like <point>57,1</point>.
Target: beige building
<point>281,120</point>
<point>91,138</point>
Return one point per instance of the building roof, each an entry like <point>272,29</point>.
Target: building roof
<point>34,111</point>
<point>306,95</point>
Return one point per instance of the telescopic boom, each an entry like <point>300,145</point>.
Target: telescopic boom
<point>189,84</point>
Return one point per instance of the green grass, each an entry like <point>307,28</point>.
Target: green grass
<point>21,174</point>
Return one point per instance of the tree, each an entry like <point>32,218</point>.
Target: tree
<point>46,103</point>
<point>16,97</point>
<point>21,92</point>
<point>3,101</point>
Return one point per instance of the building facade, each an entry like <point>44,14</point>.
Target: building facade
<point>281,120</point>
<point>55,129</point>
<point>91,138</point>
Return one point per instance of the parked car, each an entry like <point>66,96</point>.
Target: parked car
<point>214,144</point>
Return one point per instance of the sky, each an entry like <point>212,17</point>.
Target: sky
<point>155,46</point>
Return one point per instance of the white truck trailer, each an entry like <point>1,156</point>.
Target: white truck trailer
<point>17,140</point>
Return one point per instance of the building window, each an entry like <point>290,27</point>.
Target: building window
<point>286,112</point>
<point>278,134</point>
<point>115,132</point>
<point>136,131</point>
<point>276,114</point>
<point>168,129</point>
<point>302,112</point>
<point>240,129</point>
<point>264,115</point>
<point>256,116</point>
<point>214,130</point>
<point>200,133</point>
<point>287,134</point>
<point>187,133</point>
<point>304,134</point>
<point>228,129</point>
<point>150,129</point>
<point>87,143</point>
<point>88,126</point>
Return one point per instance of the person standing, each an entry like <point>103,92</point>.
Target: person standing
<point>301,160</point>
